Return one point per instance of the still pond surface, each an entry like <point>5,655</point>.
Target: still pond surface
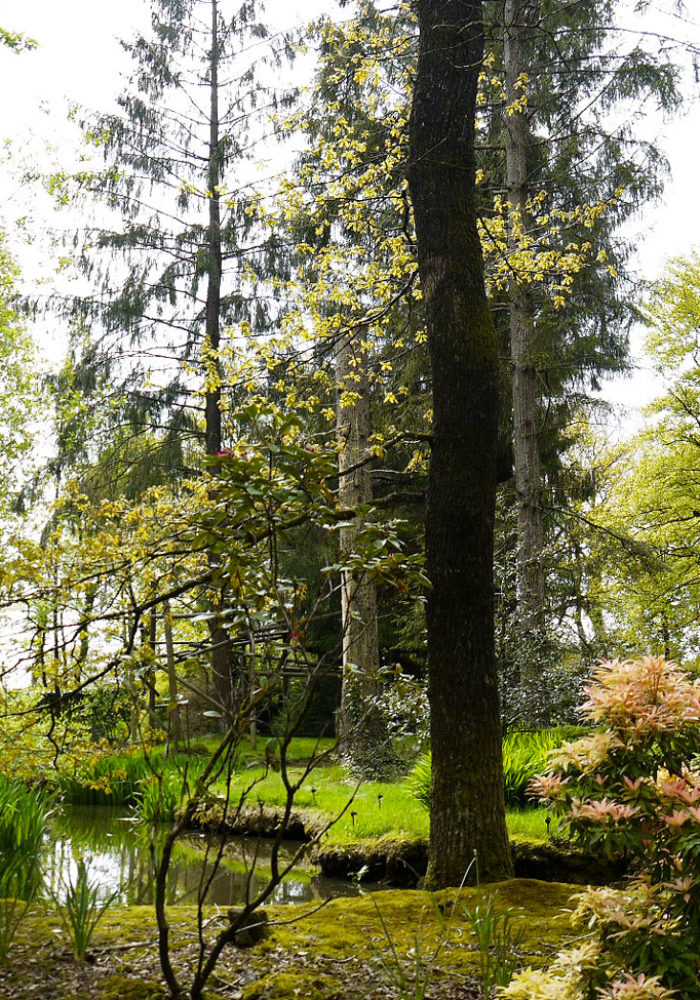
<point>116,850</point>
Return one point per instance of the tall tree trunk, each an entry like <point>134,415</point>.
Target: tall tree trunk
<point>530,581</point>
<point>220,638</point>
<point>214,256</point>
<point>84,646</point>
<point>252,684</point>
<point>467,813</point>
<point>363,735</point>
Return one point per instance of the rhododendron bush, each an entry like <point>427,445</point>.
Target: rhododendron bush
<point>631,788</point>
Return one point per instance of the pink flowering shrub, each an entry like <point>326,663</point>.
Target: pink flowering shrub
<point>632,788</point>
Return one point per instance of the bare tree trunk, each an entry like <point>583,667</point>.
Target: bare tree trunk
<point>214,256</point>
<point>220,638</point>
<point>467,812</point>
<point>151,675</point>
<point>174,727</point>
<point>530,579</point>
<point>363,736</point>
<point>252,683</point>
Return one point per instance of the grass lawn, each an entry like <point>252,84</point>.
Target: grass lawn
<point>363,811</point>
<point>377,808</point>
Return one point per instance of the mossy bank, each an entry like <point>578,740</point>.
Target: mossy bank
<point>337,951</point>
<point>401,859</point>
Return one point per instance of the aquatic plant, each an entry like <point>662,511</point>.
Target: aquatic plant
<point>17,894</point>
<point>23,815</point>
<point>81,908</point>
<point>499,933</point>
<point>119,779</point>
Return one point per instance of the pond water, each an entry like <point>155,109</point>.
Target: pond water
<point>116,851</point>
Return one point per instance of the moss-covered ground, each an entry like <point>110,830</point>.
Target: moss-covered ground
<point>346,950</point>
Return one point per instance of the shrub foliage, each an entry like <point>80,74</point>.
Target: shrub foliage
<point>524,755</point>
<point>631,787</point>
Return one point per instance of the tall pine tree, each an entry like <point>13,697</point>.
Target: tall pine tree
<point>565,84</point>
<point>175,274</point>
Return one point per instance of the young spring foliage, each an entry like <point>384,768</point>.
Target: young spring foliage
<point>631,787</point>
<point>19,389</point>
<point>639,575</point>
<point>106,564</point>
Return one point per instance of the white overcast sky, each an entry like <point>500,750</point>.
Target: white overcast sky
<point>79,60</point>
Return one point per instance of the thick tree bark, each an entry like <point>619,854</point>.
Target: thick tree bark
<point>467,814</point>
<point>530,580</point>
<point>362,735</point>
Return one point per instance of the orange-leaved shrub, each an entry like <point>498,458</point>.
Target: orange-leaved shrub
<point>632,788</point>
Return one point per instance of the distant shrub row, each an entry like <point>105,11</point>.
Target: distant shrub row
<point>524,755</point>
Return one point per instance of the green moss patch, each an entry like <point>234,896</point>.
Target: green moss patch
<point>285,985</point>
<point>320,953</point>
<point>128,988</point>
<point>344,946</point>
<point>400,861</point>
<point>346,924</point>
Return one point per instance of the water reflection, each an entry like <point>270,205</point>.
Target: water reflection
<point>118,853</point>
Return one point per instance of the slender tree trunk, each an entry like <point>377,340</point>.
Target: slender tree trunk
<point>214,255</point>
<point>221,640</point>
<point>138,702</point>
<point>252,684</point>
<point>84,648</point>
<point>173,707</point>
<point>666,636</point>
<point>151,675</point>
<point>526,460</point>
<point>363,735</point>
<point>467,813</point>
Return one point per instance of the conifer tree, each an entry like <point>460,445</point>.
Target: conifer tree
<point>19,386</point>
<point>559,171</point>
<point>556,73</point>
<point>174,276</point>
<point>346,218</point>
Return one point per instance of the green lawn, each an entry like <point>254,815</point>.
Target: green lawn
<point>364,810</point>
<point>377,808</point>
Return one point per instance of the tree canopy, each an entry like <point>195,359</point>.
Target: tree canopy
<point>325,431</point>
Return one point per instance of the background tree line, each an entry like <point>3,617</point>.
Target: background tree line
<point>270,388</point>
